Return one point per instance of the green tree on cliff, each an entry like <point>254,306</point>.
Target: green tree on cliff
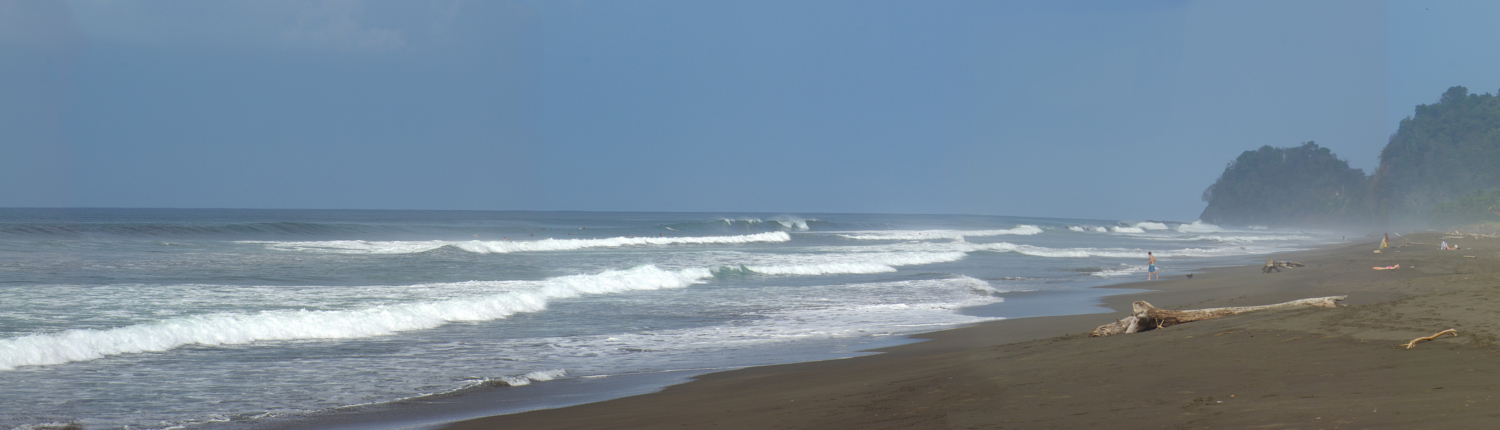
<point>1445,152</point>
<point>1304,184</point>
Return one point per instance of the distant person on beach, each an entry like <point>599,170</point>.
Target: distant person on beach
<point>1151,267</point>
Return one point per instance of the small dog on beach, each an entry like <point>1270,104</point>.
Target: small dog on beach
<point>1190,276</point>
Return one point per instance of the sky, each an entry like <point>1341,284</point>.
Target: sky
<point>1101,110</point>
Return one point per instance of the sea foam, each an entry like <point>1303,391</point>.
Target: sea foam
<point>1151,225</point>
<point>235,329</point>
<point>1021,230</point>
<point>851,264</point>
<point>1039,251</point>
<point>1199,226</point>
<point>508,246</point>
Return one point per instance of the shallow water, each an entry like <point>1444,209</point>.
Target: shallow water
<point>239,318</point>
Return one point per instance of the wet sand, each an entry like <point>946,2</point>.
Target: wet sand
<point>1308,368</point>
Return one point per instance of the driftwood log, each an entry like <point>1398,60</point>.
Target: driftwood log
<point>1278,265</point>
<point>1146,317</point>
<point>1413,343</point>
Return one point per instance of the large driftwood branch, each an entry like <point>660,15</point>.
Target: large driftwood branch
<point>1278,265</point>
<point>1146,317</point>
<point>1413,343</point>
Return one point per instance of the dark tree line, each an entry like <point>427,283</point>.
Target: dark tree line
<point>1446,151</point>
<point>1441,168</point>
<point>1302,185</point>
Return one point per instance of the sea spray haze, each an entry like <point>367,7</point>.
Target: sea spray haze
<point>228,319</point>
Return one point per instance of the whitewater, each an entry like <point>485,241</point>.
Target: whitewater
<point>209,319</point>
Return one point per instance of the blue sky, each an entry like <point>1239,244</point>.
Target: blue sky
<point>1078,109</point>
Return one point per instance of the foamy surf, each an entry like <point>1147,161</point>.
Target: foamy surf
<point>1021,230</point>
<point>850,264</point>
<point>1198,226</point>
<point>509,246</point>
<point>282,325</point>
<point>537,376</point>
<point>1039,251</point>
<point>1124,270</point>
<point>238,329</point>
<point>811,295</point>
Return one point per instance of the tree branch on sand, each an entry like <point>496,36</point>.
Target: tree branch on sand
<point>1146,317</point>
<point>1413,343</point>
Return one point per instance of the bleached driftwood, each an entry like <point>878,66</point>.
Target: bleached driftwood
<point>1413,343</point>
<point>1146,317</point>
<point>1278,265</point>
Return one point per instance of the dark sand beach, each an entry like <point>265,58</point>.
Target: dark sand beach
<point>1306,368</point>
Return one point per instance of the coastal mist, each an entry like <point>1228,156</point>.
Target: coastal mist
<point>120,318</point>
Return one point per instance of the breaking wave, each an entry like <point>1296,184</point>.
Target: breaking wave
<point>854,264</point>
<point>237,329</point>
<point>502,247</point>
<point>1021,230</point>
<point>1199,227</point>
<point>1039,251</point>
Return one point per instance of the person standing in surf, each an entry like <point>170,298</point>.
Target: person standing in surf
<point>1151,267</point>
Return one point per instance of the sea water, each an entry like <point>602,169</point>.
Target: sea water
<point>172,318</point>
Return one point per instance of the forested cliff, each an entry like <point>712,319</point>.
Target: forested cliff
<point>1446,151</point>
<point>1301,185</point>
<point>1440,169</point>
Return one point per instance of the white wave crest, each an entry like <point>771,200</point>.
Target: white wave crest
<point>1020,230</point>
<point>1151,226</point>
<point>236,329</point>
<point>538,376</point>
<point>1125,270</point>
<point>867,263</point>
<point>1039,251</point>
<point>1118,229</point>
<point>1199,226</point>
<point>1240,239</point>
<point>502,247</point>
<point>792,223</point>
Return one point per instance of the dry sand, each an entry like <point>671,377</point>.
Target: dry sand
<point>1307,368</point>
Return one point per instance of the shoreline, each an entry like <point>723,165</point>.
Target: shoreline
<point>845,393</point>
<point>445,409</point>
<point>441,409</point>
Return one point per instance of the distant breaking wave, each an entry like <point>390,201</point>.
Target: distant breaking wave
<point>502,247</point>
<point>856,264</point>
<point>1199,227</point>
<point>1021,230</point>
<point>1038,251</point>
<point>284,228</point>
<point>1041,251</point>
<point>785,222</point>
<point>519,297</point>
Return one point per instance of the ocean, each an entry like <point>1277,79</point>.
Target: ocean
<point>240,319</point>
